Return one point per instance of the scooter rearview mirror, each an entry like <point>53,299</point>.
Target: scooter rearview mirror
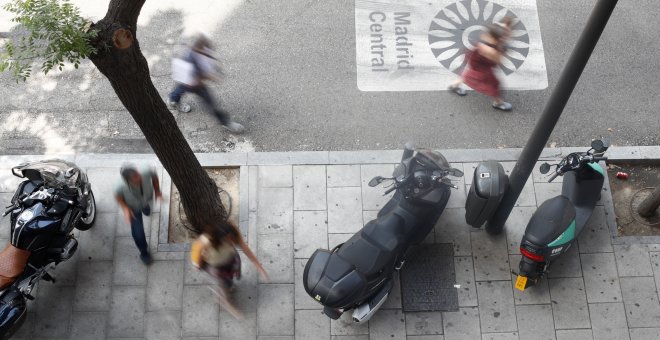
<point>598,145</point>
<point>455,172</point>
<point>545,168</point>
<point>376,180</point>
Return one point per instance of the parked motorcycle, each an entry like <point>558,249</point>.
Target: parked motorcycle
<point>558,221</point>
<point>358,274</point>
<point>55,198</point>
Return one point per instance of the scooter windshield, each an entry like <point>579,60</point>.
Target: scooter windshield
<point>435,159</point>
<point>55,173</point>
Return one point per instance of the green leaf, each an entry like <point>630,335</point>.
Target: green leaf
<point>53,32</point>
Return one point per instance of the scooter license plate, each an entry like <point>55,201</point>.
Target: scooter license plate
<point>521,282</point>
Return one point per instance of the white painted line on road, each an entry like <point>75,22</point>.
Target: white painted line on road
<point>420,45</point>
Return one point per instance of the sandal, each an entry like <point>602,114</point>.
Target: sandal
<point>503,106</point>
<point>458,90</point>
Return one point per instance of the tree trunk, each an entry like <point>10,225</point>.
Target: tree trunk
<point>650,204</point>
<point>120,59</point>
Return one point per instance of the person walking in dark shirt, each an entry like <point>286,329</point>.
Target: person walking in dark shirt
<point>135,192</point>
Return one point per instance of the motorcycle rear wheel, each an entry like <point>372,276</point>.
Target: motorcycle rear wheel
<point>87,221</point>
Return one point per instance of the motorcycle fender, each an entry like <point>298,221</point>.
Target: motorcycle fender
<point>13,311</point>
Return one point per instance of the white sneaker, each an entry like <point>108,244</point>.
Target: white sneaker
<point>185,108</point>
<point>234,127</point>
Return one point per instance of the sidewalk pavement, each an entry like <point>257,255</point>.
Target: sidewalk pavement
<point>293,203</point>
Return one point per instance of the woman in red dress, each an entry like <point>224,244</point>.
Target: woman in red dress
<point>479,73</point>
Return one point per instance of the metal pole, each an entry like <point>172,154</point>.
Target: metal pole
<point>552,111</point>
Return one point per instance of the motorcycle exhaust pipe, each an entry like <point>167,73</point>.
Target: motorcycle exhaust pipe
<point>365,311</point>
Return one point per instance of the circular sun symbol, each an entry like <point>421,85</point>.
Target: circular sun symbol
<point>456,29</point>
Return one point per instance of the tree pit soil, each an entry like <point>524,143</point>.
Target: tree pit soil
<point>226,179</point>
<point>627,194</point>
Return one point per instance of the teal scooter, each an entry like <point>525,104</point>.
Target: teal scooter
<point>556,224</point>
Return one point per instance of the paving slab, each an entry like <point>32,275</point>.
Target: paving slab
<point>358,337</point>
<point>310,232</point>
<point>461,325</point>
<point>644,333</point>
<point>595,237</point>
<point>127,311</point>
<point>53,311</point>
<point>345,326</point>
<point>343,176</point>
<point>546,191</point>
<point>199,312</point>
<point>276,255</point>
<point>655,262</point>
<point>452,228</point>
<point>608,321</point>
<point>535,322</point>
<point>103,182</point>
<point>633,260</point>
<point>496,306</point>
<point>567,265</point>
<point>640,298</point>
<point>574,334</point>
<point>423,323</point>
<point>311,324</point>
<point>165,285</point>
<point>344,210</point>
<point>500,336</point>
<point>569,303</point>
<point>93,287</point>
<point>97,243</point>
<point>600,277</point>
<point>127,267</point>
<point>231,329</point>
<point>388,324</point>
<point>165,325</point>
<point>491,259</point>
<point>275,176</point>
<point>275,213</point>
<point>373,198</point>
<point>309,187</point>
<point>275,313</point>
<point>87,325</point>
<point>467,293</point>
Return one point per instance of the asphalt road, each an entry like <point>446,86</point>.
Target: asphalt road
<point>291,79</point>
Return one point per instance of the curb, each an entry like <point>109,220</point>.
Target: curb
<point>628,154</point>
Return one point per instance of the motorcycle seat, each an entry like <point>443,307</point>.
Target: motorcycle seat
<point>376,245</point>
<point>12,264</point>
<point>550,220</point>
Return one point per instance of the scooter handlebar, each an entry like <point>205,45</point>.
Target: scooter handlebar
<point>598,159</point>
<point>553,177</point>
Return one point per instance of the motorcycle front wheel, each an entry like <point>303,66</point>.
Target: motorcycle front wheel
<point>89,216</point>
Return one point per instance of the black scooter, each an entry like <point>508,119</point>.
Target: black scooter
<point>55,198</point>
<point>558,221</point>
<point>358,274</point>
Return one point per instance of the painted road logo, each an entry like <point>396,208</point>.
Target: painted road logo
<point>413,45</point>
